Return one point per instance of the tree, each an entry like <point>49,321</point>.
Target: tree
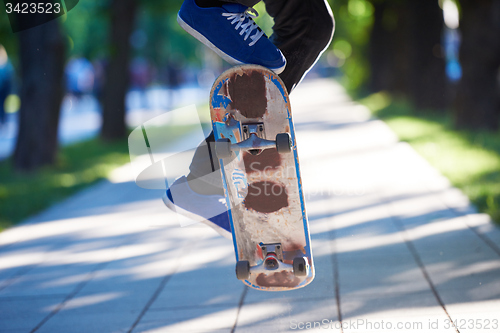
<point>477,104</point>
<point>389,47</point>
<point>427,78</point>
<point>42,57</point>
<point>405,52</point>
<point>123,13</point>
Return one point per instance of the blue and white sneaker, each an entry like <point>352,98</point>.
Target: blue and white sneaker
<point>231,32</point>
<point>209,209</point>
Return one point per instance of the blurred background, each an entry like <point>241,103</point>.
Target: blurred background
<point>71,90</point>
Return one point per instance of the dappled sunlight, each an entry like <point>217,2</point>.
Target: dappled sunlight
<point>63,280</point>
<point>83,301</point>
<point>213,320</point>
<point>387,230</point>
<point>200,258</point>
<point>262,312</point>
<point>368,242</point>
<point>106,255</point>
<point>321,247</point>
<point>23,257</point>
<point>449,270</point>
<point>383,232</point>
<point>63,227</point>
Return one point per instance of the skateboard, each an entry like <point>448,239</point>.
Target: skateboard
<point>256,148</point>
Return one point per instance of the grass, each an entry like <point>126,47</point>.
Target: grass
<point>79,166</point>
<point>469,159</point>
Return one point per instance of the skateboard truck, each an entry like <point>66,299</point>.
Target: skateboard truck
<point>254,142</point>
<point>272,254</point>
<point>273,261</point>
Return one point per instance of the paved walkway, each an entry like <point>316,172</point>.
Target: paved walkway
<point>395,247</point>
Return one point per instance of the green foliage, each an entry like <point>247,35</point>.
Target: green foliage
<point>265,21</point>
<point>469,159</point>
<point>79,166</point>
<point>353,22</point>
<point>165,40</point>
<point>7,37</point>
<point>87,27</point>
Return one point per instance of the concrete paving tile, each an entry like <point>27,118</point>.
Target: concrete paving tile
<point>9,276</point>
<point>44,281</point>
<point>468,280</point>
<point>482,224</point>
<point>146,329</point>
<point>93,322</point>
<point>151,263</point>
<point>456,199</point>
<point>371,241</point>
<point>189,319</point>
<point>285,316</point>
<point>469,289</point>
<point>472,317</point>
<point>174,296</point>
<point>419,210</point>
<point>15,258</point>
<point>382,275</point>
<point>409,312</point>
<point>324,325</point>
<point>127,298</point>
<point>24,313</point>
<point>341,204</point>
<point>450,236</point>
<point>376,246</point>
<point>364,224</point>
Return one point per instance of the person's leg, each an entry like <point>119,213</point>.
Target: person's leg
<point>228,28</point>
<point>204,176</point>
<point>302,31</point>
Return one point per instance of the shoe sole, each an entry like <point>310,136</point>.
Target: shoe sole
<point>223,232</point>
<point>214,48</point>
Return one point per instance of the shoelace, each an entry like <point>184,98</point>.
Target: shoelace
<point>248,27</point>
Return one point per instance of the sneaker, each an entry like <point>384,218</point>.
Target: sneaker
<point>231,32</point>
<point>209,209</point>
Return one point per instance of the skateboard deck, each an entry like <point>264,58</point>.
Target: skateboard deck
<point>256,148</point>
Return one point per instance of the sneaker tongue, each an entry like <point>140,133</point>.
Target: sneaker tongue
<point>234,7</point>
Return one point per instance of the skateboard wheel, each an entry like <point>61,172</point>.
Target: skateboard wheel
<point>242,270</point>
<point>223,148</point>
<point>283,143</point>
<point>299,267</point>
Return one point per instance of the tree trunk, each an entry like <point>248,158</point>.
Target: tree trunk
<point>42,56</point>
<point>380,55</point>
<point>405,51</point>
<point>389,47</point>
<point>427,79</point>
<point>123,14</point>
<point>477,104</point>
